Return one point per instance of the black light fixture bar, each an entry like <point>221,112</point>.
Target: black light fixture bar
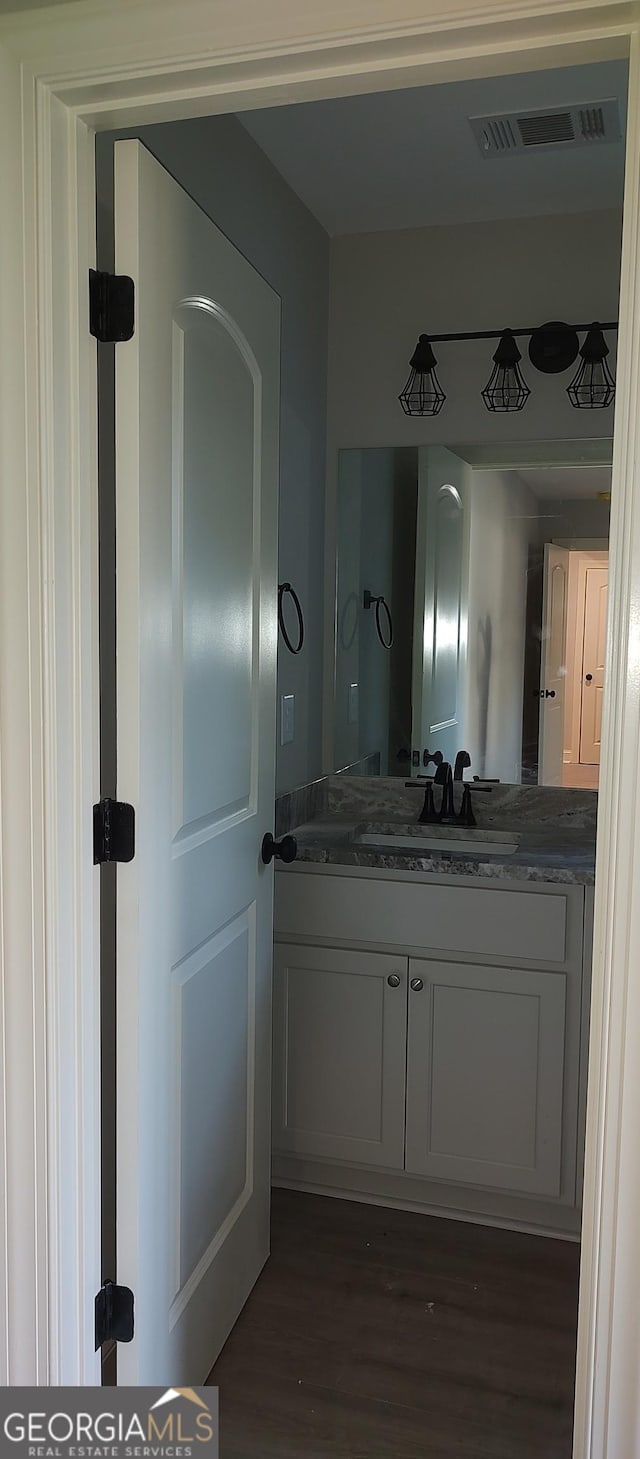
<point>517,333</point>
<point>553,348</point>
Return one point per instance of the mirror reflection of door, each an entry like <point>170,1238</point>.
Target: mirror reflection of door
<point>440,630</point>
<point>586,646</point>
<point>595,633</point>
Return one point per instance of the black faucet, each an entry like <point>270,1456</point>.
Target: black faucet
<point>429,814</point>
<point>447,812</point>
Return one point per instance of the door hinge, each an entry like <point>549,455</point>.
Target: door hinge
<point>114,831</point>
<point>114,1314</point>
<point>111,306</point>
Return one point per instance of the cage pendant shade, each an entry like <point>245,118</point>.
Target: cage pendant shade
<point>593,386</point>
<point>506,388</point>
<point>423,393</point>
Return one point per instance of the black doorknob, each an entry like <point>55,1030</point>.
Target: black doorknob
<point>588,678</point>
<point>284,850</point>
<point>549,693</point>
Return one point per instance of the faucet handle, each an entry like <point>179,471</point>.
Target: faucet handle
<point>466,810</point>
<point>428,812</point>
<point>432,759</point>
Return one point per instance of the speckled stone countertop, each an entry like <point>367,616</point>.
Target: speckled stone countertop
<point>555,830</point>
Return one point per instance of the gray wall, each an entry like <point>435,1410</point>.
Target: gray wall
<point>228,175</point>
<point>569,520</point>
<point>388,287</point>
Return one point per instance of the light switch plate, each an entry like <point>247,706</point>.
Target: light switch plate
<point>287,718</point>
<point>352,705</point>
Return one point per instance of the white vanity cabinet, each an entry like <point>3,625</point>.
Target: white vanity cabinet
<point>485,1079</point>
<point>340,1054</point>
<point>430,1041</point>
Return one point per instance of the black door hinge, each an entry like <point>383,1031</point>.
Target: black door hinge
<point>114,831</point>
<point>114,1314</point>
<point>111,306</point>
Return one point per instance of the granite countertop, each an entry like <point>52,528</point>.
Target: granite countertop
<point>555,836</point>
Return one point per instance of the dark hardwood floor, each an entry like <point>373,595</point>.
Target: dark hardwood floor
<point>378,1334</point>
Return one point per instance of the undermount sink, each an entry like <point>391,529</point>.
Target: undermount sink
<point>459,841</point>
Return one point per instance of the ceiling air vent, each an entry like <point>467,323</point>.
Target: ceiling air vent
<point>569,126</point>
<point>552,126</point>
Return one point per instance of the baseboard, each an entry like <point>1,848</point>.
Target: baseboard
<point>536,1218</point>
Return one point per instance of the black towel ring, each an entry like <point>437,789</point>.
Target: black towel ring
<point>380,603</point>
<point>284,588</point>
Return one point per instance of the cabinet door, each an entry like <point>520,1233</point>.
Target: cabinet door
<point>339,1079</point>
<point>485,1076</point>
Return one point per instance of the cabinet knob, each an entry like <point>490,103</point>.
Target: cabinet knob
<point>394,980</point>
<point>417,985</point>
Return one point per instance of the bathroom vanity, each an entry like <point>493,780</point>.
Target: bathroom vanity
<point>431,1005</point>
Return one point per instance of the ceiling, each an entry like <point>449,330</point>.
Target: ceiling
<point>408,158</point>
<point>569,483</point>
<point>15,7</point>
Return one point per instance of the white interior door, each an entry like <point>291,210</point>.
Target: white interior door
<point>553,668</point>
<point>196,498</point>
<point>440,628</point>
<point>594,643</point>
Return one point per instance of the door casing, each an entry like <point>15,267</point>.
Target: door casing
<point>101,64</point>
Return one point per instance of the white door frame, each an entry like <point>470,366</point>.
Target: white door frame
<point>102,63</point>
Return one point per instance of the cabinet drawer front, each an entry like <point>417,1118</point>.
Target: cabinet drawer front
<point>339,1072</point>
<point>528,926</point>
<point>485,1076</point>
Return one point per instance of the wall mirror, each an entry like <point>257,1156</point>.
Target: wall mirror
<point>471,610</point>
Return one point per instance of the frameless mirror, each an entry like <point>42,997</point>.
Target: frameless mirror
<point>471,610</point>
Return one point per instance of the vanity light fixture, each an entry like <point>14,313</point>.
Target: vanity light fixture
<point>423,393</point>
<point>506,388</point>
<point>593,386</point>
<point>553,348</point>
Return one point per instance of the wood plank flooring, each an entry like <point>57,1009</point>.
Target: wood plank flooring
<point>379,1334</point>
